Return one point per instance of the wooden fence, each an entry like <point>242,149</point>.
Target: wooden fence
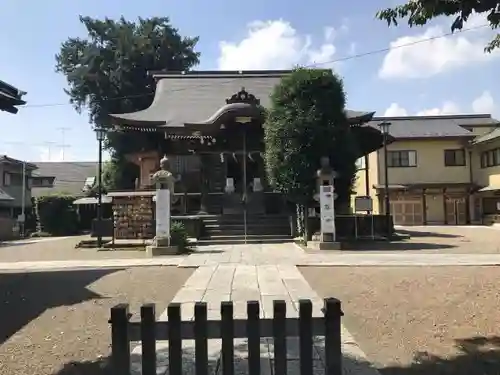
<point>253,328</point>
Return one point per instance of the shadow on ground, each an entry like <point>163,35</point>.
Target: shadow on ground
<point>478,356</point>
<point>24,296</point>
<point>23,243</point>
<point>394,246</point>
<point>417,233</point>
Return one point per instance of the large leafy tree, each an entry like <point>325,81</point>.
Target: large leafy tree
<point>107,73</point>
<point>306,121</point>
<point>419,12</point>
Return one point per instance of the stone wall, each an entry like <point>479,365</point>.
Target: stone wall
<point>134,217</point>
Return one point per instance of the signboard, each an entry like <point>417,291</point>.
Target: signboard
<point>363,203</point>
<point>327,209</point>
<point>163,213</point>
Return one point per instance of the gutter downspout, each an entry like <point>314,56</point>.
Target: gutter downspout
<point>469,192</point>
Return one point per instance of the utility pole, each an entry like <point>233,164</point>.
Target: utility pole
<point>23,201</point>
<point>63,144</point>
<point>49,145</point>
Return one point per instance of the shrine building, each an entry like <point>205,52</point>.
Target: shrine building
<point>211,128</point>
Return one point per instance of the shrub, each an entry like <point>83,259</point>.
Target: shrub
<point>56,215</point>
<point>179,236</point>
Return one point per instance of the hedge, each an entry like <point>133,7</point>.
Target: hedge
<point>56,215</point>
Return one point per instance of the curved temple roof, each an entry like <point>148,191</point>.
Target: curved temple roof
<point>196,98</point>
<point>10,97</point>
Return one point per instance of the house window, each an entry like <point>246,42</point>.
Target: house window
<point>454,158</point>
<point>490,158</point>
<point>484,159</point>
<point>402,158</point>
<point>360,163</point>
<point>6,179</point>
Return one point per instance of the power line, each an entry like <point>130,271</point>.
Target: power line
<point>346,58</point>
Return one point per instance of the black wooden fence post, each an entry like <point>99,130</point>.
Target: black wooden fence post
<point>174,339</point>
<point>148,339</point>
<point>279,335</point>
<point>253,334</point>
<point>227,328</point>
<point>333,341</point>
<point>201,343</point>
<point>305,337</point>
<point>120,344</point>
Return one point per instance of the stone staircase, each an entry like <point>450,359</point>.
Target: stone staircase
<point>230,229</point>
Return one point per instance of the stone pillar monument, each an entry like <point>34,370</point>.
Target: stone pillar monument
<point>325,194</point>
<point>164,182</point>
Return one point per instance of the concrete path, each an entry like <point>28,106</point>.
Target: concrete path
<point>261,255</point>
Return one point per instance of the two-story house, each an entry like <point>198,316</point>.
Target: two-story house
<point>11,185</point>
<point>433,167</point>
<point>486,158</point>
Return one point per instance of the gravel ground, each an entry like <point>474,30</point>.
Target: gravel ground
<point>59,249</point>
<point>433,240</point>
<point>53,318</point>
<point>419,320</point>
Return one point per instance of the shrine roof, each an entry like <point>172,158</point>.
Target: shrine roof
<point>196,97</point>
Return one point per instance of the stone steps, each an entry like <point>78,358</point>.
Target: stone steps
<point>230,229</point>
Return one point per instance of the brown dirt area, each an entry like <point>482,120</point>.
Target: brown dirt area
<point>419,320</point>
<point>52,318</point>
<point>60,249</point>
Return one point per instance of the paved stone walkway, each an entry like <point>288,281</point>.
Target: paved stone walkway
<point>265,283</point>
<point>283,254</point>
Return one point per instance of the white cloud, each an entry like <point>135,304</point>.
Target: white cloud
<point>421,59</point>
<point>275,45</point>
<point>395,110</point>
<point>484,103</point>
<point>448,108</point>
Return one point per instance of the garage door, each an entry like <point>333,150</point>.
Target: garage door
<point>407,212</point>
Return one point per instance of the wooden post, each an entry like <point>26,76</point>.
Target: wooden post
<point>279,334</point>
<point>148,339</point>
<point>227,328</point>
<point>120,344</point>
<point>253,333</point>
<point>333,340</point>
<point>201,343</point>
<point>305,337</point>
<point>174,339</point>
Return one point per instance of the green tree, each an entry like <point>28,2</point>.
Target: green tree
<point>419,12</point>
<point>306,121</point>
<point>115,175</point>
<point>107,73</point>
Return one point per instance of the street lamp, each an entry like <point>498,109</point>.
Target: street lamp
<point>100,134</point>
<point>384,127</point>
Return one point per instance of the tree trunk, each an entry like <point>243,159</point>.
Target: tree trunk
<point>306,223</point>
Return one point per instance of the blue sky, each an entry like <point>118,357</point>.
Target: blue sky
<point>444,75</point>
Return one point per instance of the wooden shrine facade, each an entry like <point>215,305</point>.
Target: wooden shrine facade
<point>211,128</point>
